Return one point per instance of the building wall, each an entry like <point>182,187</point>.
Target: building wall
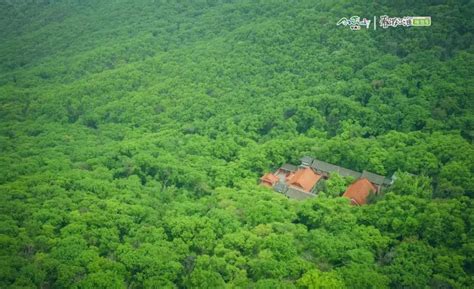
<point>297,194</point>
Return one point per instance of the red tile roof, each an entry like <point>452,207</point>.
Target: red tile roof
<point>358,191</point>
<point>304,178</point>
<point>269,180</point>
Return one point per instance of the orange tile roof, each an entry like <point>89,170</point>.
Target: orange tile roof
<point>269,180</point>
<point>358,191</point>
<point>303,178</point>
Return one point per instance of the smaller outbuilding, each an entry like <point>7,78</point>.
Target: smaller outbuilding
<point>269,180</point>
<point>359,191</point>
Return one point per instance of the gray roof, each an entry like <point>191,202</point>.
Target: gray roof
<point>388,181</point>
<point>323,166</point>
<point>296,194</point>
<point>280,187</point>
<point>328,168</point>
<point>348,173</point>
<point>373,178</point>
<point>288,167</point>
<point>306,160</point>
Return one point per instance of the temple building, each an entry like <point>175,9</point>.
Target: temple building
<point>359,191</point>
<point>295,182</point>
<point>299,182</point>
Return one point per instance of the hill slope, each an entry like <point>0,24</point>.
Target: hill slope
<point>133,134</point>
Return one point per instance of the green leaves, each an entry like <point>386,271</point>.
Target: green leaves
<point>316,279</point>
<point>133,134</point>
<point>412,265</point>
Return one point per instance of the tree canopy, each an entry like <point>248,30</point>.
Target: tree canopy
<point>133,135</point>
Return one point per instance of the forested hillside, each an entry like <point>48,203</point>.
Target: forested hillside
<point>133,135</point>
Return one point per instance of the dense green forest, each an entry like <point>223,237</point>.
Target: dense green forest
<point>133,135</point>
